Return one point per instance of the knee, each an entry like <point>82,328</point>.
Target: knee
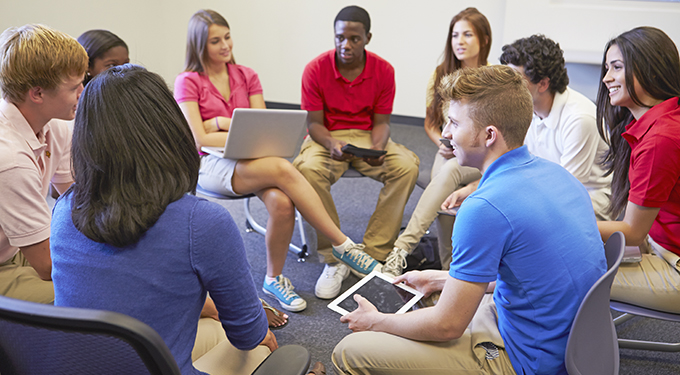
<point>279,205</point>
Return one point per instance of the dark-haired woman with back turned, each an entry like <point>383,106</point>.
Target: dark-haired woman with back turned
<point>639,109</point>
<point>104,49</point>
<point>127,236</point>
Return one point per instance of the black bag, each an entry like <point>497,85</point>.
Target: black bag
<point>425,256</point>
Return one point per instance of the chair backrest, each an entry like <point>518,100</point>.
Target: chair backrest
<point>592,347</point>
<point>45,339</point>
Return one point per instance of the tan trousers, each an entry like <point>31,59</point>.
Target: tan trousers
<point>19,280</point>
<point>382,353</point>
<point>654,282</point>
<point>446,177</point>
<point>214,354</point>
<point>398,174</point>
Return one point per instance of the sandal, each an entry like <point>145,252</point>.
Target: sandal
<point>318,369</point>
<point>275,318</point>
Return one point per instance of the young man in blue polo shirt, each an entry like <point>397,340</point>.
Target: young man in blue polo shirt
<point>529,229</point>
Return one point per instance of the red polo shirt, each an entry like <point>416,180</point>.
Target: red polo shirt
<point>348,105</point>
<point>655,169</point>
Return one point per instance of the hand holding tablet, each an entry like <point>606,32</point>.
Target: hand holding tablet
<point>378,289</point>
<point>362,152</point>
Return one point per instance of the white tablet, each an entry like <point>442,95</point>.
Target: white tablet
<point>379,290</point>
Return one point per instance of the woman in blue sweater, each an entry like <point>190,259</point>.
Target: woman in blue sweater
<point>128,238</point>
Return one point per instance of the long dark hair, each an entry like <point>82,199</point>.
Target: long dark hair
<point>96,43</point>
<point>651,57</point>
<point>482,28</point>
<point>133,154</point>
<point>197,39</point>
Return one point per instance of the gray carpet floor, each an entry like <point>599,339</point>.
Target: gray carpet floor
<point>319,329</point>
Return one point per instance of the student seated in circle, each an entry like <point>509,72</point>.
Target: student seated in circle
<point>104,50</point>
<point>638,106</point>
<point>209,90</point>
<point>128,237</point>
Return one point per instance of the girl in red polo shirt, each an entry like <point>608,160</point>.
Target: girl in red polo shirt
<point>638,107</point>
<point>208,91</point>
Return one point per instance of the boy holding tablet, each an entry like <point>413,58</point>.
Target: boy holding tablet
<point>529,228</point>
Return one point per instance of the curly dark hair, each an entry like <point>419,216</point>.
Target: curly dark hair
<point>541,57</point>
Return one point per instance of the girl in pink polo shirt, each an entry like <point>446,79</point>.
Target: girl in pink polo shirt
<point>208,91</point>
<point>639,109</point>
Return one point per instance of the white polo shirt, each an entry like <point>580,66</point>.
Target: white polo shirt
<point>569,137</point>
<point>28,163</point>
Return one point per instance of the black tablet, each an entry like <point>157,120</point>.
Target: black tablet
<point>362,152</point>
<point>379,290</point>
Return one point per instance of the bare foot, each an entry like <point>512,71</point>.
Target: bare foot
<point>275,318</point>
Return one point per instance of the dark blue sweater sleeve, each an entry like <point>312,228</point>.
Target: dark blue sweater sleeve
<point>219,259</point>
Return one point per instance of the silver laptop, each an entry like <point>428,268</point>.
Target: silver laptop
<point>258,133</point>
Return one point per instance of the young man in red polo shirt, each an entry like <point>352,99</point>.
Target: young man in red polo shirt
<point>349,93</point>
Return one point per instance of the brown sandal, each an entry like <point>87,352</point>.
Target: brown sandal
<point>275,318</point>
<point>318,369</point>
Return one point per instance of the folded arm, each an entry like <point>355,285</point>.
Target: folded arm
<point>635,226</point>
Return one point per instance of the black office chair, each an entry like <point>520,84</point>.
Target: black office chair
<point>592,346</point>
<point>44,339</point>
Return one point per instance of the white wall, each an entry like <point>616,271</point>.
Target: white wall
<point>277,38</point>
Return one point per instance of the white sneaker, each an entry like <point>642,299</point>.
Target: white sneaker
<point>395,263</point>
<point>329,283</point>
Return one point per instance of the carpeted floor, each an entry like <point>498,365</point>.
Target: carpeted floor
<point>319,329</point>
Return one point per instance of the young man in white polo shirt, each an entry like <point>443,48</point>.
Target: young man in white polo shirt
<point>41,75</point>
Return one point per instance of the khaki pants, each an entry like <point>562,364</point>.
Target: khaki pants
<point>398,174</point>
<point>19,280</point>
<point>382,353</point>
<point>446,177</point>
<point>654,282</point>
<point>214,354</point>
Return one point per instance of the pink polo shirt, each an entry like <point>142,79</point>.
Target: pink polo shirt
<point>654,173</point>
<point>196,87</point>
<point>28,163</point>
<point>345,104</point>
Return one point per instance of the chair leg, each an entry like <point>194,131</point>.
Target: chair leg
<point>649,345</point>
<point>623,318</point>
<point>302,254</point>
<point>640,344</point>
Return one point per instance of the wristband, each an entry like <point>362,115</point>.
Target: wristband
<point>217,123</point>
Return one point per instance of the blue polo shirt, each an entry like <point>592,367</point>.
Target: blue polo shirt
<point>530,226</point>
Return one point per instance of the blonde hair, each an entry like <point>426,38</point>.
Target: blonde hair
<point>495,95</point>
<point>36,55</point>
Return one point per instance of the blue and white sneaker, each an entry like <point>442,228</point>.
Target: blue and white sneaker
<point>360,263</point>
<point>282,289</point>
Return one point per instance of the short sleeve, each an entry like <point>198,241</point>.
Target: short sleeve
<point>479,239</point>
<point>312,98</point>
<point>429,93</point>
<point>253,82</point>
<point>187,87</point>
<point>580,141</point>
<point>64,130</point>
<point>654,171</point>
<point>24,215</point>
<point>218,257</point>
<point>385,99</point>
